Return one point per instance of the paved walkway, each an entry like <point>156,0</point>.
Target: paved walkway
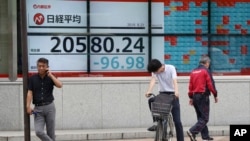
<point>220,133</point>
<point>216,138</point>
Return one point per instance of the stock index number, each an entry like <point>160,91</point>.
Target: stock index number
<point>97,44</point>
<point>107,45</point>
<point>68,44</point>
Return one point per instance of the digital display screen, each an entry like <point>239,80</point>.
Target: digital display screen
<point>59,33</point>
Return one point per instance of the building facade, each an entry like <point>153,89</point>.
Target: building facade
<point>100,50</point>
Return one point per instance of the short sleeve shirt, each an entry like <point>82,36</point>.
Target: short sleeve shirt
<point>165,79</point>
<point>42,89</point>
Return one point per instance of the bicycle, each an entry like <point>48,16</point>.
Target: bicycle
<point>162,113</point>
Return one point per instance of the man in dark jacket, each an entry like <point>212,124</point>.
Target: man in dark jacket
<point>201,83</point>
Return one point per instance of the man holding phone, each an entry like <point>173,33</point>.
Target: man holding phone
<point>40,92</point>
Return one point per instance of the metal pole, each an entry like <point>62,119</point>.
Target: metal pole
<point>149,30</point>
<point>23,29</point>
<point>12,37</point>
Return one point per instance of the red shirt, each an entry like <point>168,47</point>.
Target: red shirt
<point>201,81</point>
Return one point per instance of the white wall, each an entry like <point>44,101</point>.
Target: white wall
<point>98,103</point>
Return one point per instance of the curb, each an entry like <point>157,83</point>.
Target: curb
<point>102,134</point>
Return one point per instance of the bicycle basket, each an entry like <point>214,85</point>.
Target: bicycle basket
<point>162,109</point>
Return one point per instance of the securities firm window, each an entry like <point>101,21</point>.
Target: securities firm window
<point>113,41</point>
<point>104,38</point>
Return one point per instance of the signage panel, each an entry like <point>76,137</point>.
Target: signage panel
<point>57,30</point>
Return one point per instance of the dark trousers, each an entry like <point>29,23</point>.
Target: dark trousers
<point>176,118</point>
<point>201,105</point>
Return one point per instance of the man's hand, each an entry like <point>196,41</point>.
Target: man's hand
<point>176,95</point>
<point>29,110</point>
<point>48,72</point>
<point>191,102</point>
<point>215,99</point>
<point>148,94</point>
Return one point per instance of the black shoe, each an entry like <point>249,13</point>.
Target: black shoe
<point>191,136</point>
<point>207,139</point>
<point>152,128</point>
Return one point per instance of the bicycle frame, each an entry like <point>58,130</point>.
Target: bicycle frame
<point>165,129</point>
<point>165,126</point>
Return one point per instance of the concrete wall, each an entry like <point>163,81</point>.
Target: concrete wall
<point>105,103</point>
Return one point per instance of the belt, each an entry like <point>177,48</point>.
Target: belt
<point>42,104</point>
<point>199,93</point>
<point>167,93</point>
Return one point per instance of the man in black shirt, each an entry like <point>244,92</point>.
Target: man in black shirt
<point>40,92</point>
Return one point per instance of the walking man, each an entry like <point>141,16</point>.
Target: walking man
<point>167,79</point>
<point>40,92</point>
<point>201,83</point>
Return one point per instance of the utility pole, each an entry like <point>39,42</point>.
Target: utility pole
<point>23,41</point>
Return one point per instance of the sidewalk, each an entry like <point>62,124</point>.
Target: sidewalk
<point>216,138</point>
<point>220,133</point>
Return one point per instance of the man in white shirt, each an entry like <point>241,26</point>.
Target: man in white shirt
<point>167,81</point>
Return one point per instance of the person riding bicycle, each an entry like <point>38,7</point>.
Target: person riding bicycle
<point>167,81</point>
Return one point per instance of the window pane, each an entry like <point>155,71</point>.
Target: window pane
<point>58,34</point>
<point>66,53</point>
<point>230,17</point>
<point>182,51</point>
<point>119,17</point>
<point>157,19</point>
<point>186,17</point>
<point>231,54</point>
<point>123,54</point>
<point>46,16</point>
<point>4,40</point>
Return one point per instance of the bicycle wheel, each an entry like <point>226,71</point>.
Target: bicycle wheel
<point>159,131</point>
<point>170,131</point>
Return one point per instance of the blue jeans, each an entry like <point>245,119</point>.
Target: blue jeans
<point>201,105</point>
<point>176,118</point>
